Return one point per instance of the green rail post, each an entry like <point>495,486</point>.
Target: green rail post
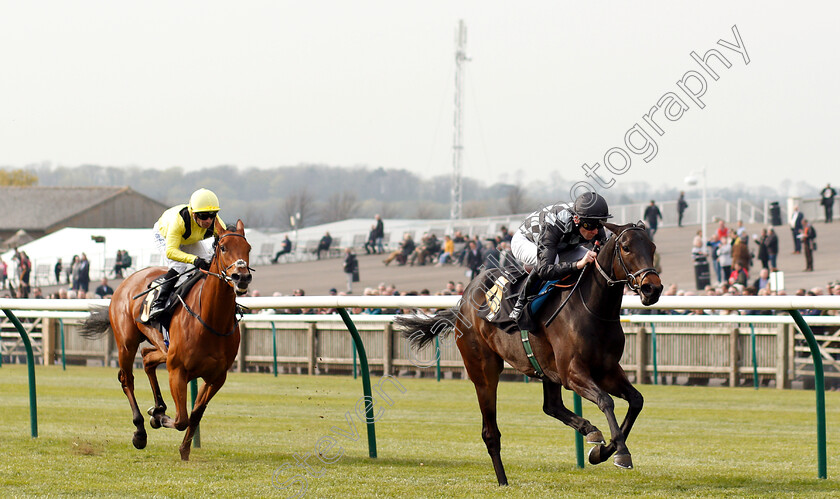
<point>193,395</point>
<point>63,351</point>
<point>30,364</point>
<point>437,363</point>
<point>754,356</point>
<point>274,346</point>
<point>357,343</point>
<point>653,342</point>
<point>353,344</point>
<point>578,436</point>
<point>819,388</point>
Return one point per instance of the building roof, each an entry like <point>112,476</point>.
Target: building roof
<point>37,208</point>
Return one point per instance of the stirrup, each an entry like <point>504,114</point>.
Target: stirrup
<point>515,313</point>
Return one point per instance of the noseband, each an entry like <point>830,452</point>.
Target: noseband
<point>633,279</point>
<point>224,276</point>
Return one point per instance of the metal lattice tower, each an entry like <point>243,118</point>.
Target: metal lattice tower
<point>455,211</point>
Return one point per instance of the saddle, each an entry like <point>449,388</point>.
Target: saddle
<point>182,288</point>
<point>502,289</point>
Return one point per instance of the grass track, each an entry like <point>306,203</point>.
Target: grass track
<point>688,442</point>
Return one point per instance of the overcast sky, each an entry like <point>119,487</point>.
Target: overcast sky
<point>550,86</point>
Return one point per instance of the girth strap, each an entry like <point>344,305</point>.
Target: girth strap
<point>526,342</point>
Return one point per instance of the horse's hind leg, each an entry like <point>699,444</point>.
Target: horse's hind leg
<point>153,357</point>
<point>205,393</point>
<point>554,407</point>
<point>127,351</point>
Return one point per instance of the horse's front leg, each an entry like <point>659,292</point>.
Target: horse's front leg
<point>554,407</point>
<point>205,393</point>
<point>618,385</point>
<point>581,382</point>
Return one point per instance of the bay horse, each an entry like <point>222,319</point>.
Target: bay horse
<point>580,350</point>
<point>204,335</point>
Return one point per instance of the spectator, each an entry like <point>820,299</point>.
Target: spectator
<point>370,245</point>
<point>808,236</point>
<point>763,255</point>
<point>506,236</point>
<point>3,273</point>
<point>722,231</point>
<point>795,222</point>
<point>285,248</point>
<point>739,275</point>
<point>57,269</point>
<point>714,244</point>
<point>84,274</point>
<point>25,269</point>
<point>772,243</point>
<point>763,279</point>
<point>104,290</point>
<point>72,273</point>
<point>429,248</point>
<point>652,216</point>
<point>351,268</point>
<point>473,259</point>
<point>491,255</point>
<point>323,245</point>
<point>725,257</point>
<point>448,251</point>
<point>118,264</point>
<point>681,206</point>
<point>740,231</point>
<point>380,234</point>
<point>827,200</point>
<point>37,293</point>
<point>402,253</point>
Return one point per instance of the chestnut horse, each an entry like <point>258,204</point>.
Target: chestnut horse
<point>204,335</point>
<point>580,350</point>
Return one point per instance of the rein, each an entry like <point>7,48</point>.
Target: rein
<point>225,278</point>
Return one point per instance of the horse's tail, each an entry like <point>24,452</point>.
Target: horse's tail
<point>97,324</point>
<point>421,329</point>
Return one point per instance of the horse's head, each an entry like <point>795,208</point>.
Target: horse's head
<point>232,253</point>
<point>632,260</point>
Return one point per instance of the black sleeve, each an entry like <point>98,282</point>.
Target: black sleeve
<point>547,253</point>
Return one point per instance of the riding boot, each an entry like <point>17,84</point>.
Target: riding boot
<point>163,294</point>
<point>519,307</point>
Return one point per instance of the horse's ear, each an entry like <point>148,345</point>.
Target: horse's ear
<point>612,227</point>
<point>240,227</point>
<point>218,225</point>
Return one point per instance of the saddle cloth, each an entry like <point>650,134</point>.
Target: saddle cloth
<point>502,289</point>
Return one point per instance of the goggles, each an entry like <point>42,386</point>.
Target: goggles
<point>591,224</point>
<point>206,215</point>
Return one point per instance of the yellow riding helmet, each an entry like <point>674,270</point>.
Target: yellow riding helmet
<point>203,200</point>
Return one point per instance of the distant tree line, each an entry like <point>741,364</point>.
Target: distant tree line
<point>312,194</point>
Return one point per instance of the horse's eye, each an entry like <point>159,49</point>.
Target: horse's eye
<point>223,249</point>
<point>625,248</point>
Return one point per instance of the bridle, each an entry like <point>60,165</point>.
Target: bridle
<point>240,263</point>
<point>632,279</point>
<point>226,278</point>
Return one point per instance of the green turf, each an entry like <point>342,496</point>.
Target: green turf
<point>698,442</point>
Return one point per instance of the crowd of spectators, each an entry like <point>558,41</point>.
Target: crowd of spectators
<point>473,253</point>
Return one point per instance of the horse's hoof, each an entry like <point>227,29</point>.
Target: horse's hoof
<point>139,440</point>
<point>595,438</point>
<point>185,454</point>
<point>154,422</point>
<point>594,456</point>
<point>623,461</point>
<point>151,411</point>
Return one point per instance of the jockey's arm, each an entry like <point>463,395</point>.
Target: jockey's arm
<point>547,253</point>
<point>173,248</point>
